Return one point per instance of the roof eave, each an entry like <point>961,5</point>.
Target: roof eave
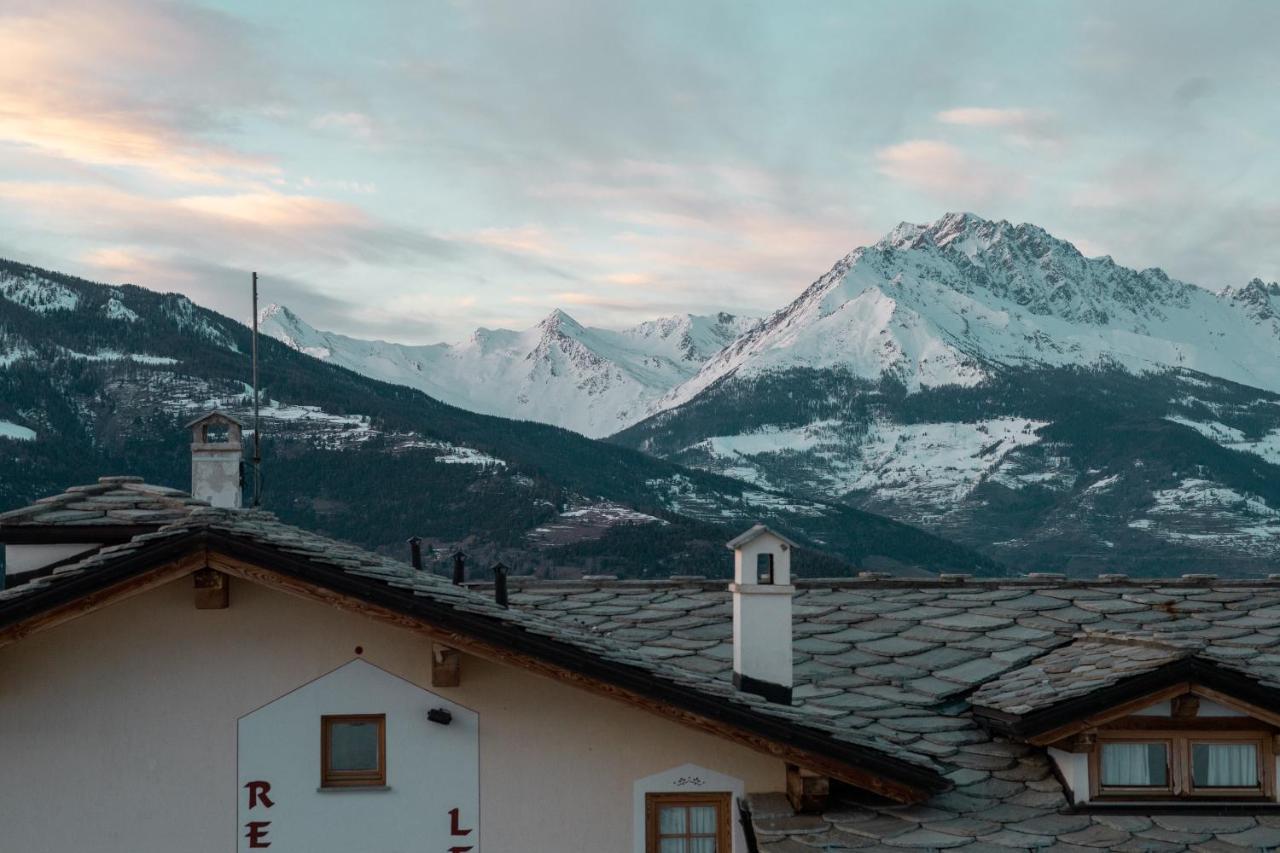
<point>1034,725</point>
<point>913,783</point>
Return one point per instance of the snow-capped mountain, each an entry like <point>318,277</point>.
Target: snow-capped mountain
<point>592,381</point>
<point>97,378</point>
<point>951,302</point>
<point>989,382</point>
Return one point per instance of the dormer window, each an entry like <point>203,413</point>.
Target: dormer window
<point>1130,719</point>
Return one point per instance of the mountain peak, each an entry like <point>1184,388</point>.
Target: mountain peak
<point>275,310</point>
<point>277,321</point>
<point>560,321</point>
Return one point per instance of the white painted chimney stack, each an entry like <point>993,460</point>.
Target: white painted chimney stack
<point>762,593</point>
<point>216,457</point>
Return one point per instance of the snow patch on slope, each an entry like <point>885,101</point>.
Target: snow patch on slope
<point>117,310</point>
<point>1205,511</point>
<point>931,464</point>
<point>16,432</point>
<point>37,294</point>
<point>115,355</point>
<point>1267,446</point>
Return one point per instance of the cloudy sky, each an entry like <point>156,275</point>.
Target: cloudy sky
<point>411,169</point>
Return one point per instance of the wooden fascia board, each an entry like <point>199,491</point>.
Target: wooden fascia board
<point>1188,675</point>
<point>1255,711</point>
<point>91,601</point>
<point>1112,712</point>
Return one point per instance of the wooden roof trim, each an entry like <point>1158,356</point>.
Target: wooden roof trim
<point>167,560</point>
<point>1256,711</point>
<point>1114,712</point>
<point>97,599</point>
<point>1189,674</point>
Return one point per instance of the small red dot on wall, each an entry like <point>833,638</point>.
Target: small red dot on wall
<point>359,650</point>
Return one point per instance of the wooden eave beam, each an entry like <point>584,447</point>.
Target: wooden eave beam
<point>446,666</point>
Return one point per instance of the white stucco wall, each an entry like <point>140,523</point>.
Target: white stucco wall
<point>432,769</point>
<point>118,730</point>
<point>1074,767</point>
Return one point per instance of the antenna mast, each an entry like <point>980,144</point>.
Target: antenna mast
<point>257,421</point>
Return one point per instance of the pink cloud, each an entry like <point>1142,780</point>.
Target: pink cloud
<point>942,169</point>
<point>133,85</point>
<point>1019,125</point>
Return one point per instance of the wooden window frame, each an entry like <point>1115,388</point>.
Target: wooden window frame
<point>1181,784</point>
<point>1145,792</point>
<point>353,778</point>
<point>722,800</point>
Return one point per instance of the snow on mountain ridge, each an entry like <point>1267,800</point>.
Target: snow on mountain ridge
<point>944,303</point>
<point>558,371</point>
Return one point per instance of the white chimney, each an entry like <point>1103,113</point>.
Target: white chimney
<point>762,594</point>
<point>216,456</point>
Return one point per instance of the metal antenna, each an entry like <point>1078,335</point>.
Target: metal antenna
<point>257,420</point>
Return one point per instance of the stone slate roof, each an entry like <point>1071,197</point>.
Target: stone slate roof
<point>1092,662</point>
<point>901,661</point>
<point>111,502</point>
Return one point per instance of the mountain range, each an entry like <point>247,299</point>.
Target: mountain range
<point>98,379</point>
<point>981,379</point>
<point>592,381</point>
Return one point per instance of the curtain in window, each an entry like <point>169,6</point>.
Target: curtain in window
<point>702,821</point>
<point>1135,765</point>
<point>1225,765</point>
<point>671,820</point>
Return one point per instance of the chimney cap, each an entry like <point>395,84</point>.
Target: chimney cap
<point>215,415</point>
<point>755,532</point>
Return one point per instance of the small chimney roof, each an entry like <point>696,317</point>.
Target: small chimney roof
<point>216,414</point>
<point>755,533</point>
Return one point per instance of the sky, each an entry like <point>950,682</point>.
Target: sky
<point>412,169</point>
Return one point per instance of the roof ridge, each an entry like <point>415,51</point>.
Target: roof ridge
<point>1146,640</point>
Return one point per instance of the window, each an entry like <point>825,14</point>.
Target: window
<point>1142,767</point>
<point>353,751</point>
<point>1182,764</point>
<point>687,823</point>
<point>764,568</point>
<point>1226,766</point>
